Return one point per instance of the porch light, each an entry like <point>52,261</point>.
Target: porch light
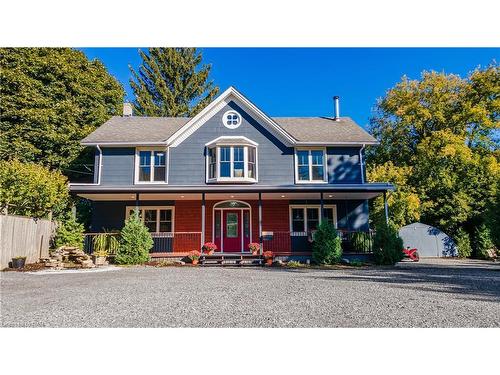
<point>231,196</point>
<point>330,196</point>
<point>282,196</point>
<point>182,196</point>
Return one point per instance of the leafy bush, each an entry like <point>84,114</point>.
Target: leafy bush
<point>30,189</point>
<point>361,242</point>
<point>69,233</point>
<point>483,243</point>
<point>387,245</point>
<point>462,240</point>
<point>294,264</point>
<point>135,242</point>
<point>327,247</point>
<point>105,244</point>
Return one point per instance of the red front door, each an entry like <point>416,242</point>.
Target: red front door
<point>231,231</point>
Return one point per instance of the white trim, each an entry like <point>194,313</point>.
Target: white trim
<point>231,140</point>
<point>122,144</point>
<point>222,209</point>
<point>214,107</point>
<point>319,144</point>
<point>224,119</point>
<point>151,163</point>
<point>99,165</point>
<point>309,160</point>
<point>231,179</point>
<point>361,164</point>
<point>305,207</point>
<point>157,208</point>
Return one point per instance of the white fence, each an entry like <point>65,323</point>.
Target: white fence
<point>24,236</point>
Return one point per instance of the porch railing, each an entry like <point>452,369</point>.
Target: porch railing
<point>166,242</point>
<point>352,241</point>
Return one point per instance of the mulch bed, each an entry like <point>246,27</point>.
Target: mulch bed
<point>28,268</point>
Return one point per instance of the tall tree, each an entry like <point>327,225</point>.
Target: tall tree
<point>170,82</point>
<point>414,109</point>
<point>50,99</point>
<point>439,145</point>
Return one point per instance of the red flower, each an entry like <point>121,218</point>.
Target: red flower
<point>254,246</point>
<point>209,246</point>
<point>195,254</point>
<point>268,254</point>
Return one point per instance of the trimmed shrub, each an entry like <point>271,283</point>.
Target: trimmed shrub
<point>387,245</point>
<point>135,242</point>
<point>327,247</point>
<point>484,247</point>
<point>462,240</point>
<point>69,233</point>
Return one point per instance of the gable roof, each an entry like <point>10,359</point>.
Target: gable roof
<point>141,130</point>
<point>324,130</point>
<point>173,130</point>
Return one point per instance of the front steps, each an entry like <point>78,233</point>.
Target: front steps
<point>231,260</point>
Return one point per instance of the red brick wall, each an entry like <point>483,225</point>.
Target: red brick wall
<point>275,218</point>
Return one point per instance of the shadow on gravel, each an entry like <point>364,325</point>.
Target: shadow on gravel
<point>470,282</point>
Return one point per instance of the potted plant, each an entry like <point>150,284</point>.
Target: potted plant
<point>209,248</point>
<point>104,244</point>
<point>18,262</point>
<point>268,257</point>
<point>254,247</point>
<point>194,256</point>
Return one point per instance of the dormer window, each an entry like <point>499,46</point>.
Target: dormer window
<point>150,165</point>
<point>232,159</point>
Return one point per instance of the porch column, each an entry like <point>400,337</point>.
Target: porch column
<point>321,205</point>
<point>136,204</point>
<point>202,219</point>
<point>260,222</point>
<point>386,208</point>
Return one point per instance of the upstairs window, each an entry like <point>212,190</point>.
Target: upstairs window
<point>232,163</point>
<point>310,165</point>
<point>150,166</point>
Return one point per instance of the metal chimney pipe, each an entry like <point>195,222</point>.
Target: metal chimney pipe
<point>127,110</point>
<point>336,116</point>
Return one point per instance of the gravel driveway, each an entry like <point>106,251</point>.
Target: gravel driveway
<point>432,293</point>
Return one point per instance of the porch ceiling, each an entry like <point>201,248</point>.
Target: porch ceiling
<point>227,196</point>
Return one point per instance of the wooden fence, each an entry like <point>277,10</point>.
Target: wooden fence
<point>24,236</point>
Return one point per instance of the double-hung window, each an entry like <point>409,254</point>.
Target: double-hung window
<point>306,218</point>
<point>310,165</point>
<point>150,166</point>
<point>156,219</point>
<point>227,163</point>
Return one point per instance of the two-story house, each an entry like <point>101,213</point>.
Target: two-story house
<point>230,175</point>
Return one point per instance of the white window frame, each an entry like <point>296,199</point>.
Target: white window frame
<point>304,207</point>
<point>245,177</point>
<point>151,163</point>
<point>309,160</point>
<point>157,208</point>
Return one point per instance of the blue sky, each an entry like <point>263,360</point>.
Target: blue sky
<point>302,81</point>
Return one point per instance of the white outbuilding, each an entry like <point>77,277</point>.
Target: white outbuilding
<point>430,241</point>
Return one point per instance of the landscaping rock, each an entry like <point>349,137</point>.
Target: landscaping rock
<point>68,257</point>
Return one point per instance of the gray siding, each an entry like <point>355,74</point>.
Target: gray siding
<point>118,166</point>
<point>187,161</point>
<point>110,215</point>
<point>275,160</point>
<point>343,165</point>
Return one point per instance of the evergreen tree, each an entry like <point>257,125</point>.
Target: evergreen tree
<point>170,82</point>
<point>51,98</point>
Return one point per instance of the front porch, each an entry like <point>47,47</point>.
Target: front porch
<point>281,222</point>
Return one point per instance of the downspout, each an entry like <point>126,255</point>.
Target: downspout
<point>361,164</point>
<point>100,165</point>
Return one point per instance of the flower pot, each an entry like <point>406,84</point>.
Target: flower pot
<point>210,252</point>
<point>256,252</point>
<point>99,260</point>
<point>269,261</point>
<point>194,261</point>
<point>18,262</point>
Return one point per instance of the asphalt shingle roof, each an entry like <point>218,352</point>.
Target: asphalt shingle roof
<point>158,129</point>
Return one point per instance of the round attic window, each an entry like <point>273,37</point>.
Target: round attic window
<point>231,119</point>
